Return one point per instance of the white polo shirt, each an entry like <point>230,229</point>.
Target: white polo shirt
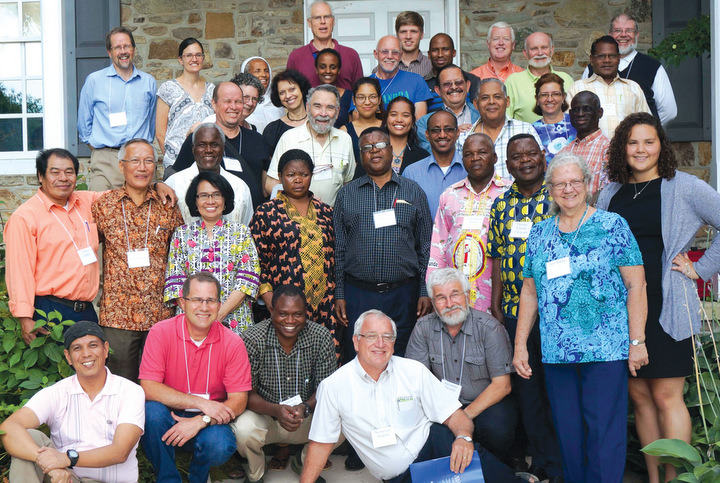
<point>334,161</point>
<point>407,396</point>
<point>78,423</point>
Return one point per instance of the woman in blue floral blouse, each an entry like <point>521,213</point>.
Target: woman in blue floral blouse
<point>584,280</point>
<point>213,244</point>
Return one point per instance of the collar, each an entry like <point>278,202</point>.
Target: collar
<point>514,191</point>
<point>466,328</point>
<point>121,194</point>
<point>111,386</point>
<point>112,72</point>
<point>597,78</point>
<point>629,58</point>
<point>366,179</point>
<point>364,376</point>
<point>212,336</point>
<point>302,342</point>
<point>496,180</point>
<point>420,57</point>
<point>508,120</point>
<point>47,203</point>
<point>588,139</point>
<point>492,70</point>
<point>466,107</point>
<point>220,223</point>
<point>457,159</point>
<point>536,77</point>
<point>313,49</point>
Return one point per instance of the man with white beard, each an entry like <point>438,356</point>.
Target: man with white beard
<point>520,86</point>
<point>330,149</point>
<point>470,352</point>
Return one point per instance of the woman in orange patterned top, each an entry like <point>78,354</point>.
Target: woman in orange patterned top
<point>295,241</point>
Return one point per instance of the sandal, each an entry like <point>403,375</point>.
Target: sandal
<point>280,461</point>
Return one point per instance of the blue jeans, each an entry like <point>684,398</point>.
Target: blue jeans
<point>212,446</point>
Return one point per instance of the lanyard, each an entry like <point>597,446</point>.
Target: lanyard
<point>375,197</point>
<point>187,371</point>
<point>87,227</point>
<point>577,230</point>
<point>442,356</point>
<point>147,225</point>
<point>320,167</point>
<point>389,84</point>
<point>297,371</point>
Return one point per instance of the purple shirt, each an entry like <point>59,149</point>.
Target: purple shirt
<point>302,59</point>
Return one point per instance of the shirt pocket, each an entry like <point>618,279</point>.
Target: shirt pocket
<point>408,411</point>
<point>436,364</point>
<point>476,367</point>
<point>406,216</point>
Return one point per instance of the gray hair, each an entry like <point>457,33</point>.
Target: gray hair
<point>501,25</point>
<point>443,276</point>
<point>316,2</point>
<point>566,159</point>
<point>324,88</point>
<point>375,313</point>
<point>491,79</point>
<point>123,148</point>
<point>209,125</point>
<point>628,16</point>
<point>552,43</point>
<point>245,79</point>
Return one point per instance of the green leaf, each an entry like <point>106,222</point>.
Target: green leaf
<point>53,352</point>
<point>37,342</point>
<point>673,448</point>
<point>8,341</point>
<point>57,332</point>
<point>689,477</point>
<point>55,315</point>
<point>30,358</point>
<point>14,359</point>
<point>39,323</point>
<point>30,385</point>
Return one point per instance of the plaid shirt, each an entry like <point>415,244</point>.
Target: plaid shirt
<point>420,66</point>
<point>383,255</point>
<point>593,149</point>
<point>618,99</point>
<point>311,360</point>
<point>508,207</point>
<point>511,128</point>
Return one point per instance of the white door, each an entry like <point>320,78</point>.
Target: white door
<point>361,23</point>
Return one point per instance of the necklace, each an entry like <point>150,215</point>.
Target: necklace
<point>638,193</point>
<point>295,120</point>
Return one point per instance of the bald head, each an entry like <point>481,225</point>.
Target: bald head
<point>388,55</point>
<point>538,50</point>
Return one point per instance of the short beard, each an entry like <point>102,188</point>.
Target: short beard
<point>319,128</point>
<point>628,49</point>
<point>539,64</point>
<point>456,318</point>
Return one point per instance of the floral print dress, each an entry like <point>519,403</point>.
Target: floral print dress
<point>230,256</point>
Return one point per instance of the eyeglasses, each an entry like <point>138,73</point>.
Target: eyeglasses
<point>497,39</point>
<point>200,301</point>
<point>323,18</point>
<point>369,147</point>
<point>456,83</point>
<point>136,162</point>
<point>254,100</point>
<point>606,56</point>
<point>206,196</point>
<point>437,130</point>
<point>194,56</point>
<point>582,109</point>
<point>373,337</point>
<point>360,99</point>
<point>574,184</point>
<point>545,95</point>
<point>623,31</point>
<point>454,296</point>
<point>120,48</point>
<point>386,52</point>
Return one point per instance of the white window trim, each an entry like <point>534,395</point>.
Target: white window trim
<point>53,75</point>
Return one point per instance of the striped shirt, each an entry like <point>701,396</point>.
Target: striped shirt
<point>420,66</point>
<point>593,149</point>
<point>617,99</point>
<point>511,128</point>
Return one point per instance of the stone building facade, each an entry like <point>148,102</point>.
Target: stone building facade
<point>232,30</point>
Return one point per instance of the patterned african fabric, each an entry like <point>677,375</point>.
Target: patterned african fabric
<point>132,297</point>
<point>459,236</point>
<point>583,314</point>
<point>282,237</point>
<point>230,256</point>
<point>509,207</point>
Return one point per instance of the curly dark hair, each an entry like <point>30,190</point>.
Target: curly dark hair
<point>617,167</point>
<point>292,76</point>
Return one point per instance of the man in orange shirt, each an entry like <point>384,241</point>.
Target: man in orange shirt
<point>501,43</point>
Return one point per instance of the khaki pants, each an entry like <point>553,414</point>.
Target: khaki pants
<point>24,471</point>
<point>104,173</point>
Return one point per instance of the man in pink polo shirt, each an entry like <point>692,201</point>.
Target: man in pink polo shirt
<point>95,419</point>
<point>196,377</point>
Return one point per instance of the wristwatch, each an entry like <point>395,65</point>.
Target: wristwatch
<point>73,457</point>
<point>466,438</point>
<point>307,409</point>
<point>207,420</point>
<point>636,342</point>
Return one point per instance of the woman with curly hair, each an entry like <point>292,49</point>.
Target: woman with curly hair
<point>664,208</point>
<point>289,89</point>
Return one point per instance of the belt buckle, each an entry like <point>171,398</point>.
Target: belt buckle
<point>79,306</point>
<point>383,287</point>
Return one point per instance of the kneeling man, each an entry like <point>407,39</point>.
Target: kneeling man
<point>196,375</point>
<point>95,420</point>
<point>470,352</point>
<point>393,411</point>
<point>289,357</point>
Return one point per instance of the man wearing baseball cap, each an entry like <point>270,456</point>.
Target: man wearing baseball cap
<point>95,420</point>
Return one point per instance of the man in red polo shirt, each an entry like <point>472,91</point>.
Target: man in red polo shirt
<point>196,377</point>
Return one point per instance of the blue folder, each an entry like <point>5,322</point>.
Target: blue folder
<point>438,471</point>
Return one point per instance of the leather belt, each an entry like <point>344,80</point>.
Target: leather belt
<point>76,305</point>
<point>377,287</point>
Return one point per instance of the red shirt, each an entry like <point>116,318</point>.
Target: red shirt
<point>171,357</point>
<point>302,59</point>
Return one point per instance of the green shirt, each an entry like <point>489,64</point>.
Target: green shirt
<point>521,90</point>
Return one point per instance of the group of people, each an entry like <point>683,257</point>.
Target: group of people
<point>337,239</point>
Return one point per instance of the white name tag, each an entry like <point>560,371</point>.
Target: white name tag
<point>293,401</point>
<point>232,164</point>
<point>383,437</point>
<point>322,172</point>
<point>384,218</point>
<point>138,258</point>
<point>204,396</point>
<point>118,119</point>
<point>521,229</point>
<point>453,388</point>
<point>87,256</point>
<point>473,222</point>
<point>558,268</point>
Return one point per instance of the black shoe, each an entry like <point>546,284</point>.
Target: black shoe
<point>556,479</point>
<point>539,472</point>
<point>518,464</point>
<point>353,462</point>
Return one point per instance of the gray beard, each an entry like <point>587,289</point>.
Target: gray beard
<point>455,319</point>
<point>629,49</point>
<point>321,129</point>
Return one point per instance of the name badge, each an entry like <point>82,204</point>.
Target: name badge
<point>383,437</point>
<point>232,164</point>
<point>520,229</point>
<point>138,258</point>
<point>204,396</point>
<point>118,119</point>
<point>558,268</point>
<point>473,222</point>
<point>293,401</point>
<point>322,173</point>
<point>87,256</point>
<point>453,388</point>
<point>384,218</point>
